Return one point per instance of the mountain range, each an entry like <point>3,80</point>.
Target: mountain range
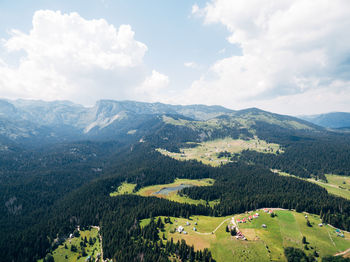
<point>60,161</point>
<point>30,121</point>
<point>337,120</point>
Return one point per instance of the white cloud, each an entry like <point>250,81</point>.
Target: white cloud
<point>69,57</point>
<point>314,101</point>
<point>195,9</point>
<point>193,65</point>
<point>153,87</point>
<point>289,49</point>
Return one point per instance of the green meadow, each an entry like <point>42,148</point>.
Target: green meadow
<point>209,152</point>
<point>124,188</point>
<point>149,191</point>
<point>64,253</point>
<point>286,229</point>
<point>337,185</point>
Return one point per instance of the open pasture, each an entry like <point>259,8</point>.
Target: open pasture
<point>337,185</point>
<point>64,253</point>
<point>286,229</point>
<point>168,191</point>
<point>220,151</point>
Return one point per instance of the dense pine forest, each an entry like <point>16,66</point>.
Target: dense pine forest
<point>47,191</point>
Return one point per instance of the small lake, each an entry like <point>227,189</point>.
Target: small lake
<point>167,190</point>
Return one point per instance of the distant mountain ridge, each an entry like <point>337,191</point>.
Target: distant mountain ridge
<point>338,120</point>
<point>23,120</point>
<point>37,122</point>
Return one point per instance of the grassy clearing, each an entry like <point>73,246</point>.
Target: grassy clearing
<point>62,254</point>
<point>173,196</point>
<point>148,191</point>
<point>263,244</point>
<point>208,152</point>
<point>336,185</point>
<point>124,188</point>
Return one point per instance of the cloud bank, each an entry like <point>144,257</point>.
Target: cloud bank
<point>69,57</point>
<point>295,59</point>
<point>293,52</point>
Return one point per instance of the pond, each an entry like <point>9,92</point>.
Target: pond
<point>167,190</point>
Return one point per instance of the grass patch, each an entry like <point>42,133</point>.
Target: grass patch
<point>149,191</point>
<point>173,196</point>
<point>63,254</point>
<point>335,185</point>
<point>124,188</point>
<point>263,244</point>
<point>220,151</point>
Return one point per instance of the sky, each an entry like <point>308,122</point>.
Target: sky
<point>288,57</point>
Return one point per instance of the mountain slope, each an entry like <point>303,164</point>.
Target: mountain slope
<point>84,154</point>
<point>63,120</point>
<point>330,120</point>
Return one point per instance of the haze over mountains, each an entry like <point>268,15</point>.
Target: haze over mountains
<point>340,120</point>
<point>33,121</point>
<point>59,161</point>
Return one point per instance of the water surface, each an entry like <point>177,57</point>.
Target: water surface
<point>167,190</point>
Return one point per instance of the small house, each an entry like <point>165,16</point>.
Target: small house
<point>266,210</point>
<point>320,225</point>
<point>306,216</point>
<point>240,236</point>
<point>195,223</point>
<point>188,223</point>
<point>263,226</point>
<point>194,229</point>
<point>239,221</point>
<point>180,229</point>
<point>270,211</point>
<point>185,232</point>
<point>250,217</point>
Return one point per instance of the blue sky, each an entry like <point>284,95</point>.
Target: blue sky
<point>173,36</point>
<point>234,53</point>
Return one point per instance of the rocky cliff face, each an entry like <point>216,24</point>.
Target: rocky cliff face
<point>39,121</point>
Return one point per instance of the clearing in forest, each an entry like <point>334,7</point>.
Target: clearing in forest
<point>336,185</point>
<point>286,229</point>
<point>124,188</point>
<point>220,151</point>
<point>72,248</point>
<point>168,191</point>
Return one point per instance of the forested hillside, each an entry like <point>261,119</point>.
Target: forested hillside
<point>50,188</point>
